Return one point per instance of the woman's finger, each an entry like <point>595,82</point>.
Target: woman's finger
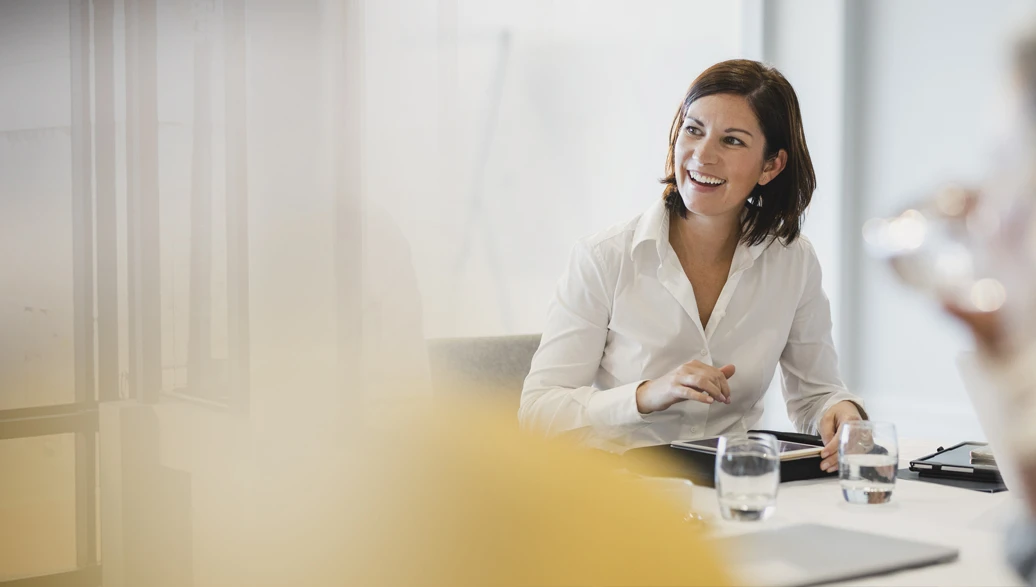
<point>687,392</point>
<point>707,379</point>
<point>721,386</point>
<point>704,397</point>
<point>831,448</point>
<point>704,383</point>
<point>725,387</point>
<point>830,464</point>
<point>829,455</point>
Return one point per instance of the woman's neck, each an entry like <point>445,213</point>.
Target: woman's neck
<point>707,239</point>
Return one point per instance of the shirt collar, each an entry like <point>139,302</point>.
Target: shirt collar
<point>745,255</point>
<point>653,227</point>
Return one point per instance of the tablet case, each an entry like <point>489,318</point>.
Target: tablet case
<point>972,484</point>
<point>962,472</point>
<point>699,467</point>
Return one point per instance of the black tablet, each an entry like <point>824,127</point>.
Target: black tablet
<point>957,462</point>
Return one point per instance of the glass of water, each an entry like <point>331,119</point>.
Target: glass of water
<point>748,471</point>
<point>868,457</point>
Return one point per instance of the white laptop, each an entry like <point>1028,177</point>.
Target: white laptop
<point>812,554</point>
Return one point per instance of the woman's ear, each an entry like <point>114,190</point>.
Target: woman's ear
<point>773,167</point>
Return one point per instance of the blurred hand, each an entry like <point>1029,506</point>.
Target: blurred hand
<point>690,381</point>
<point>830,426</point>
<point>986,327</point>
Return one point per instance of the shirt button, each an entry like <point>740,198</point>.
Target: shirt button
<point>695,430</point>
<point>704,352</point>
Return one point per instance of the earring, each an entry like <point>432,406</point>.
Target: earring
<point>756,199</point>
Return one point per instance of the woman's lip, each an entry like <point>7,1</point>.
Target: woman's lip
<point>710,176</point>
<point>702,186</point>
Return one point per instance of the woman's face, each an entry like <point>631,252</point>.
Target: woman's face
<point>720,156</point>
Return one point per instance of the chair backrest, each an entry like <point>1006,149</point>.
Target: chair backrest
<point>493,368</point>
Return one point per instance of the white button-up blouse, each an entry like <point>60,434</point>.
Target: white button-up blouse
<point>624,312</point>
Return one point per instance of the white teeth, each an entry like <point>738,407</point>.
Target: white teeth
<point>705,178</point>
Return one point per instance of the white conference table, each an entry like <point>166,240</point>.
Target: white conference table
<point>971,521</point>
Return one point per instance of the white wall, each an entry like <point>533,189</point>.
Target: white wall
<point>577,141</point>
<point>814,65</point>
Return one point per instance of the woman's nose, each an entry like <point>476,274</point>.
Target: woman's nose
<point>705,152</point>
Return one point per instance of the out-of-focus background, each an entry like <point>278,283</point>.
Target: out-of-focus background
<point>485,135</point>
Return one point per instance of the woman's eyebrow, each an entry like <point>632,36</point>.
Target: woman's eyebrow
<point>731,129</point>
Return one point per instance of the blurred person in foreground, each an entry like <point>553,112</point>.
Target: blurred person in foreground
<point>442,508</point>
<point>442,493</point>
<point>432,492</point>
<point>458,497</point>
<point>703,295</point>
<point>424,491</point>
<point>1005,361</point>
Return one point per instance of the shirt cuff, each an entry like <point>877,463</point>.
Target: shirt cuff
<point>616,407</point>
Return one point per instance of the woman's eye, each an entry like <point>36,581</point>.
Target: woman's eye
<point>733,141</point>
<point>693,130</point>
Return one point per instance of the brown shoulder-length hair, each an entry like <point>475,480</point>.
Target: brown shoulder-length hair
<point>774,210</point>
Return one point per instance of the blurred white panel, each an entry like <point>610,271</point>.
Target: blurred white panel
<point>932,74</point>
<point>34,65</point>
<point>36,354</point>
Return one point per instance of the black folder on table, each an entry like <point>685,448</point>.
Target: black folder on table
<point>956,467</point>
<point>699,467</point>
<point>983,486</point>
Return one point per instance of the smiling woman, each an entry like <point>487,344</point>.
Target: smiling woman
<point>639,323</point>
<point>750,114</point>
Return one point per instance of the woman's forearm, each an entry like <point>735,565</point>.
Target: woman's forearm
<point>559,410</point>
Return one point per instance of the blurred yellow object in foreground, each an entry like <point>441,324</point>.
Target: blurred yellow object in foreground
<point>463,498</point>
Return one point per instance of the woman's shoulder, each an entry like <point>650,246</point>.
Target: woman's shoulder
<point>612,244</point>
<point>793,263</point>
<point>798,252</point>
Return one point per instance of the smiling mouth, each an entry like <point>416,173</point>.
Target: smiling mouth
<point>704,180</point>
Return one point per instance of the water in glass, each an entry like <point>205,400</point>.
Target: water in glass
<point>868,456</point>
<point>868,478</point>
<point>747,476</point>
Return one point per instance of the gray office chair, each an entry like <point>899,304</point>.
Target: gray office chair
<point>490,368</point>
